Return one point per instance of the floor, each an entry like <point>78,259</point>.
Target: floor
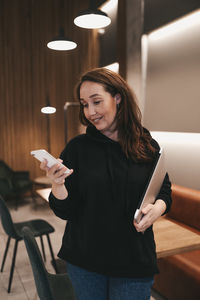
<point>23,286</point>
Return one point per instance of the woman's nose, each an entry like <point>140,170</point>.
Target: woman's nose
<point>91,110</point>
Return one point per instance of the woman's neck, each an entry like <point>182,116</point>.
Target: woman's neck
<point>113,135</point>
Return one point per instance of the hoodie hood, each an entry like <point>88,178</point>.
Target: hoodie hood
<point>97,136</point>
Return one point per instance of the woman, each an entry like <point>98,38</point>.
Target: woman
<point>109,256</point>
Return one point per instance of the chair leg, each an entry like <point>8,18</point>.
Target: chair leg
<point>12,266</point>
<point>17,197</point>
<point>5,253</point>
<point>34,198</point>
<point>52,255</point>
<point>42,245</point>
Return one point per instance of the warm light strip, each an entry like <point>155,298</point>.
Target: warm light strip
<point>144,52</point>
<point>176,26</point>
<point>176,137</point>
<point>109,5</point>
<point>113,67</point>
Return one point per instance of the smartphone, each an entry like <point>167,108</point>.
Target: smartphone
<point>42,154</point>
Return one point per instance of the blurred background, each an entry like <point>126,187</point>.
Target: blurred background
<point>154,45</point>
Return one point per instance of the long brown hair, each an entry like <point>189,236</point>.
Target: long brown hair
<point>134,140</point>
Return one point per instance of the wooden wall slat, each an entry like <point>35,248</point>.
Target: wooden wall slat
<point>29,72</point>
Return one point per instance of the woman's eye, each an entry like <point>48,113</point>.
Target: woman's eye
<point>85,105</point>
<point>97,102</point>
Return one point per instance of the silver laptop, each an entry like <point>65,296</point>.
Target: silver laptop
<point>153,186</point>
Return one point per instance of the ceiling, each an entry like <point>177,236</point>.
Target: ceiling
<point>159,12</point>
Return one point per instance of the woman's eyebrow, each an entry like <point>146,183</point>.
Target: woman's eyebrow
<point>91,96</point>
<point>94,95</point>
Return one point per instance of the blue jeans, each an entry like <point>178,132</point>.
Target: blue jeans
<point>94,286</point>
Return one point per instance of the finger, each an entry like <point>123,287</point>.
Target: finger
<point>70,172</point>
<point>60,160</point>
<point>147,208</point>
<point>142,225</point>
<point>60,176</point>
<point>43,165</point>
<point>137,225</point>
<point>62,171</point>
<point>53,170</point>
<point>140,229</point>
<point>60,179</point>
<point>137,229</point>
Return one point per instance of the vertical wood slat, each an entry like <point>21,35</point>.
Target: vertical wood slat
<point>121,40</point>
<point>30,71</point>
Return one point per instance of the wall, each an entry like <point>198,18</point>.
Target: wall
<point>172,83</point>
<point>171,103</point>
<point>181,156</point>
<point>30,72</point>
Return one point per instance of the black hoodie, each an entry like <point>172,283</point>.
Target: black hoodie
<point>104,191</point>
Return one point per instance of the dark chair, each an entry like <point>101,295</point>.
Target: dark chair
<point>13,183</point>
<point>13,230</point>
<point>49,286</point>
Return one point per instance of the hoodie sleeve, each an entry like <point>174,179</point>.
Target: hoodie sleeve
<point>68,208</point>
<point>165,191</point>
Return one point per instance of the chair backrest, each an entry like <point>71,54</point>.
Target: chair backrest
<point>5,170</point>
<point>39,271</point>
<point>185,205</point>
<point>6,220</point>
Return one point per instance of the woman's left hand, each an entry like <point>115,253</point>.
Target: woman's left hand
<point>150,214</point>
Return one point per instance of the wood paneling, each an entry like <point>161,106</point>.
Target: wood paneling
<point>121,37</point>
<point>29,72</point>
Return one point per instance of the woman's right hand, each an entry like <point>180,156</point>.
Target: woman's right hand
<point>57,177</point>
<point>55,174</point>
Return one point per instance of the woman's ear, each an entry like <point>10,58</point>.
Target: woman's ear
<point>117,98</point>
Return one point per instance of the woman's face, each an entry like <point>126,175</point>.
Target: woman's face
<point>99,106</point>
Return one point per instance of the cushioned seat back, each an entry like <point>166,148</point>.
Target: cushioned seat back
<point>39,272</point>
<point>6,220</point>
<point>6,176</point>
<point>5,171</point>
<point>185,206</point>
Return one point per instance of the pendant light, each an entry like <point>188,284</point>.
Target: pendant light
<point>92,18</point>
<point>48,109</point>
<point>61,43</point>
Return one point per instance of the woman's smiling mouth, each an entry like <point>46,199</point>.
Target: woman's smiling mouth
<point>96,119</point>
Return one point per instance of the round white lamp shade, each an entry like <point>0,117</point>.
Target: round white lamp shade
<point>48,110</point>
<point>61,45</point>
<point>92,19</point>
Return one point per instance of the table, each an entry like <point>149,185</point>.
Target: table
<point>44,193</point>
<point>43,181</point>
<point>172,238</point>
